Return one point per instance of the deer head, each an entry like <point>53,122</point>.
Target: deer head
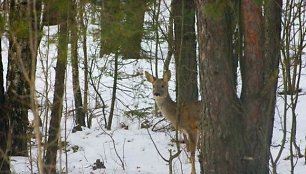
<point>160,86</point>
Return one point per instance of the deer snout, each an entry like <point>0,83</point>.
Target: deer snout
<point>156,94</point>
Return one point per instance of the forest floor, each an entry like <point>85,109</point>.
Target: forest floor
<point>129,149</point>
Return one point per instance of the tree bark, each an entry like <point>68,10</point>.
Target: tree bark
<point>185,50</point>
<point>56,112</point>
<point>78,104</point>
<point>4,126</point>
<point>273,11</point>
<point>114,93</point>
<point>236,132</point>
<point>24,38</point>
<point>259,81</point>
<point>17,95</point>
<point>222,139</point>
<point>86,69</point>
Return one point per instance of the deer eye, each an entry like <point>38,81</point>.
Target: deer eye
<point>162,86</point>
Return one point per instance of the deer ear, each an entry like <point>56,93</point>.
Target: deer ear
<point>167,75</point>
<point>149,77</point>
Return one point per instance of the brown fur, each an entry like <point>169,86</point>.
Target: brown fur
<point>190,113</point>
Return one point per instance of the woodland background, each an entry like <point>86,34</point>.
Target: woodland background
<point>77,66</point>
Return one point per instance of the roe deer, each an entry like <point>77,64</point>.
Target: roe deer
<point>190,113</point>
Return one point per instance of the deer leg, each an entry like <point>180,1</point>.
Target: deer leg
<point>192,147</point>
<point>186,140</point>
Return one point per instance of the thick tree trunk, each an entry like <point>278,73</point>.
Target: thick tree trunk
<point>17,94</point>
<point>56,113</point>
<point>273,11</point>
<point>4,127</point>
<point>222,139</point>
<point>252,73</point>
<point>185,50</point>
<point>259,79</point>
<point>236,130</point>
<point>19,63</point>
<point>24,38</point>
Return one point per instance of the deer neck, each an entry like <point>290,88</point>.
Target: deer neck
<point>167,106</point>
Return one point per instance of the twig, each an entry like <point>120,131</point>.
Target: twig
<point>115,148</point>
<point>156,147</point>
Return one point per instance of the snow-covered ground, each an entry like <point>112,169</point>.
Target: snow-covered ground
<point>122,150</point>
<point>131,150</point>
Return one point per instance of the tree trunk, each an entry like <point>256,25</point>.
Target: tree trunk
<point>86,69</point>
<point>4,127</point>
<point>24,38</point>
<point>56,112</point>
<point>236,132</point>
<point>273,11</point>
<point>222,139</point>
<point>114,93</point>
<point>80,115</point>
<point>19,63</point>
<point>259,81</point>
<point>185,50</point>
